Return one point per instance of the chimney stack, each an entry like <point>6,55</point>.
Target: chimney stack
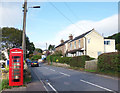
<point>70,37</point>
<point>62,41</point>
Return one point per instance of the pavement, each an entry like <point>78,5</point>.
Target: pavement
<point>35,85</point>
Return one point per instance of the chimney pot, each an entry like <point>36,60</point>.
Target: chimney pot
<point>62,41</point>
<point>70,37</point>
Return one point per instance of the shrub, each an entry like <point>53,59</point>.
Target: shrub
<point>65,60</point>
<point>58,53</point>
<point>109,62</point>
<point>36,57</point>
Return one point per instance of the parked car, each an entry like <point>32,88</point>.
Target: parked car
<point>34,63</point>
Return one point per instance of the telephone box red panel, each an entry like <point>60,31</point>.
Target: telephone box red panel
<point>16,67</point>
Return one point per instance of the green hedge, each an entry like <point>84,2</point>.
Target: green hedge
<point>109,62</point>
<point>59,58</point>
<point>79,61</point>
<point>65,60</point>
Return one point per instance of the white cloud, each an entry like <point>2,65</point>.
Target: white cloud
<point>11,14</point>
<point>107,26</point>
<point>42,44</point>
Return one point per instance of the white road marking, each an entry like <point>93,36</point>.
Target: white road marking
<point>40,80</point>
<point>96,85</point>
<point>65,74</point>
<point>52,87</point>
<point>44,86</point>
<point>46,67</point>
<point>52,70</point>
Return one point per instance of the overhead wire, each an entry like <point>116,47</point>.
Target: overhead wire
<point>64,15</point>
<point>74,15</point>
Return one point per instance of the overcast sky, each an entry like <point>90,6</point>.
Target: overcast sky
<point>56,20</point>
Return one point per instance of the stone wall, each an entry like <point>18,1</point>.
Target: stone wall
<point>91,65</point>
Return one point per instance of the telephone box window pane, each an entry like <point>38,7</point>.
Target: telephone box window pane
<point>16,66</point>
<point>16,58</point>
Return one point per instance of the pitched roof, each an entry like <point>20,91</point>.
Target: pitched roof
<point>80,36</point>
<point>62,43</point>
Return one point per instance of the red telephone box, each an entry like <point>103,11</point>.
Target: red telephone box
<point>16,67</point>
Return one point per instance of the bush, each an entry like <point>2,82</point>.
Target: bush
<point>58,53</point>
<point>36,57</point>
<point>109,62</point>
<point>79,61</point>
<point>65,60</point>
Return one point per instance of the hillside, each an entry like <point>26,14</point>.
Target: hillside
<point>117,40</point>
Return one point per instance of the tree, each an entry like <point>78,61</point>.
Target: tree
<point>116,37</point>
<point>51,47</point>
<point>12,38</point>
<point>29,47</point>
<point>118,47</point>
<point>39,50</point>
<point>117,40</point>
<point>36,57</point>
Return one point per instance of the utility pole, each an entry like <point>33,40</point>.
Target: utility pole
<point>46,46</point>
<point>24,29</point>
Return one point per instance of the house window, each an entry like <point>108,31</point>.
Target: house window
<point>89,40</point>
<point>107,42</point>
<point>70,46</point>
<point>79,43</point>
<point>75,45</point>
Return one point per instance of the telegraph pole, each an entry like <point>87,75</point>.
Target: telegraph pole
<point>46,46</point>
<point>24,29</point>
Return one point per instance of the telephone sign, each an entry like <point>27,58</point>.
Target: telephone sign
<point>16,67</point>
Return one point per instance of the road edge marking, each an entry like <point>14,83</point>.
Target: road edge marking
<point>40,80</point>
<point>96,85</point>
<point>52,87</point>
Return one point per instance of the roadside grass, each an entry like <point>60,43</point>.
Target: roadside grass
<point>5,82</point>
<point>90,70</point>
<point>110,73</point>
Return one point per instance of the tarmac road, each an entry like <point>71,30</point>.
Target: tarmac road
<point>60,79</point>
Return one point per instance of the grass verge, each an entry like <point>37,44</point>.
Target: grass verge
<point>5,82</point>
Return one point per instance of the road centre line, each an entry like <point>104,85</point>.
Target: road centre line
<point>65,74</point>
<point>52,70</point>
<point>96,85</point>
<point>52,87</point>
<point>46,67</point>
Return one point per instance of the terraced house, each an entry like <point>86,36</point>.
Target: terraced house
<point>90,43</point>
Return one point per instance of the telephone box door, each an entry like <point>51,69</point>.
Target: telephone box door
<point>16,67</point>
